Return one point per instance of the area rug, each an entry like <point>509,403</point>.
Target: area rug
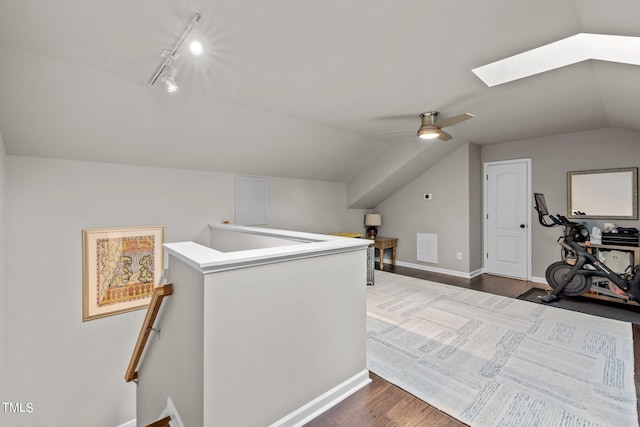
<point>611,310</point>
<point>488,360</point>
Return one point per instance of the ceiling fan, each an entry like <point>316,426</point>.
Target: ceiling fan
<point>431,127</point>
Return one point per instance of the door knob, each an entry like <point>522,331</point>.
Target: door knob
<point>522,225</point>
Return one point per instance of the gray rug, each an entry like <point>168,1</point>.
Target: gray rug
<point>610,310</point>
<point>494,361</point>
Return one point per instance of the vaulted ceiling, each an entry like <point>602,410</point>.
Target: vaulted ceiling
<point>297,89</point>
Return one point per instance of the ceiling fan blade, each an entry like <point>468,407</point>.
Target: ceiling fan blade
<point>395,131</point>
<point>396,117</point>
<point>444,136</point>
<point>454,120</point>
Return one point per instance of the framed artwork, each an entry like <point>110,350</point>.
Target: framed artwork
<point>120,268</point>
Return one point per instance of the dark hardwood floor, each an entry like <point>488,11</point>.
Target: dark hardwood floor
<point>497,285</point>
<point>383,404</point>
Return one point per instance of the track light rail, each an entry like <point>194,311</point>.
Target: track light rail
<point>171,55</point>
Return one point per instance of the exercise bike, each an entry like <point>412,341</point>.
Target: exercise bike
<point>573,275</point>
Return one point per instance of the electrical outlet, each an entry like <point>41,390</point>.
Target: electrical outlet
<point>428,196</point>
<point>459,256</point>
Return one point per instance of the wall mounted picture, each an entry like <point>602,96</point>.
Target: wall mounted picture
<point>120,267</point>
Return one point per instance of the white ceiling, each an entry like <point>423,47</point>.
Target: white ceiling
<point>295,88</point>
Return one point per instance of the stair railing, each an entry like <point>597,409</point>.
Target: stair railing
<point>161,423</point>
<point>147,326</point>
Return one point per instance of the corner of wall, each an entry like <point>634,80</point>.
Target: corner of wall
<point>475,208</point>
<point>446,214</point>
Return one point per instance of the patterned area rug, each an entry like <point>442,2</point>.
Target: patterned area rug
<point>489,360</point>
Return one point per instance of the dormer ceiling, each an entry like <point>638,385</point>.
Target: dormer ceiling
<point>295,89</point>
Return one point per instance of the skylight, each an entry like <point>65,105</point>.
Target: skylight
<point>574,49</point>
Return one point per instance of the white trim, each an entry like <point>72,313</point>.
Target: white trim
<point>476,273</point>
<point>322,403</point>
<point>485,231</point>
<point>540,280</point>
<point>170,410</point>
<point>441,270</point>
<point>303,245</point>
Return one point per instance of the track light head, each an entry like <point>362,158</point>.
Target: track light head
<point>196,48</point>
<point>169,79</point>
<point>171,84</point>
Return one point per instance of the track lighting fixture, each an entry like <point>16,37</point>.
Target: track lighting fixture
<point>170,80</point>
<point>166,71</point>
<point>196,48</point>
<point>171,84</point>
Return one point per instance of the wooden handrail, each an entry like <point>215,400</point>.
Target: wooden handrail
<point>161,423</point>
<point>152,312</point>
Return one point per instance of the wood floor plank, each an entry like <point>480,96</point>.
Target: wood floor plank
<point>383,404</point>
<point>361,400</point>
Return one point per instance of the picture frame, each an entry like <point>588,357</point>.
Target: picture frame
<point>603,194</point>
<point>120,269</point>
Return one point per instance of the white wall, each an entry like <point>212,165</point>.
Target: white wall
<point>4,397</point>
<point>315,206</point>
<point>301,331</point>
<point>271,339</point>
<point>476,204</point>
<point>447,214</point>
<point>73,372</point>
<point>551,158</point>
<point>173,365</point>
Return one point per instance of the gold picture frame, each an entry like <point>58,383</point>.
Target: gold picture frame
<point>120,269</point>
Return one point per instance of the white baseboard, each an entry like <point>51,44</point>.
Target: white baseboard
<point>334,396</point>
<point>441,270</point>
<point>322,403</point>
<point>475,273</point>
<point>541,281</point>
<point>305,413</point>
<point>170,410</point>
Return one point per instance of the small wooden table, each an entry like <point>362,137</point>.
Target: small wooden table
<point>382,243</point>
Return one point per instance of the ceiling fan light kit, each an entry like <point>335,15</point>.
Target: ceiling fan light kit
<point>428,129</point>
<point>428,133</point>
<point>431,127</point>
<point>166,72</point>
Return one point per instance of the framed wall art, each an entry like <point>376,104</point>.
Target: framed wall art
<point>120,268</point>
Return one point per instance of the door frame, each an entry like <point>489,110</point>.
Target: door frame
<point>528,217</point>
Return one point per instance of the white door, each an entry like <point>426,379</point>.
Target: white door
<point>507,218</point>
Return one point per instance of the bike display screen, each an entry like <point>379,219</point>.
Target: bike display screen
<point>541,204</point>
